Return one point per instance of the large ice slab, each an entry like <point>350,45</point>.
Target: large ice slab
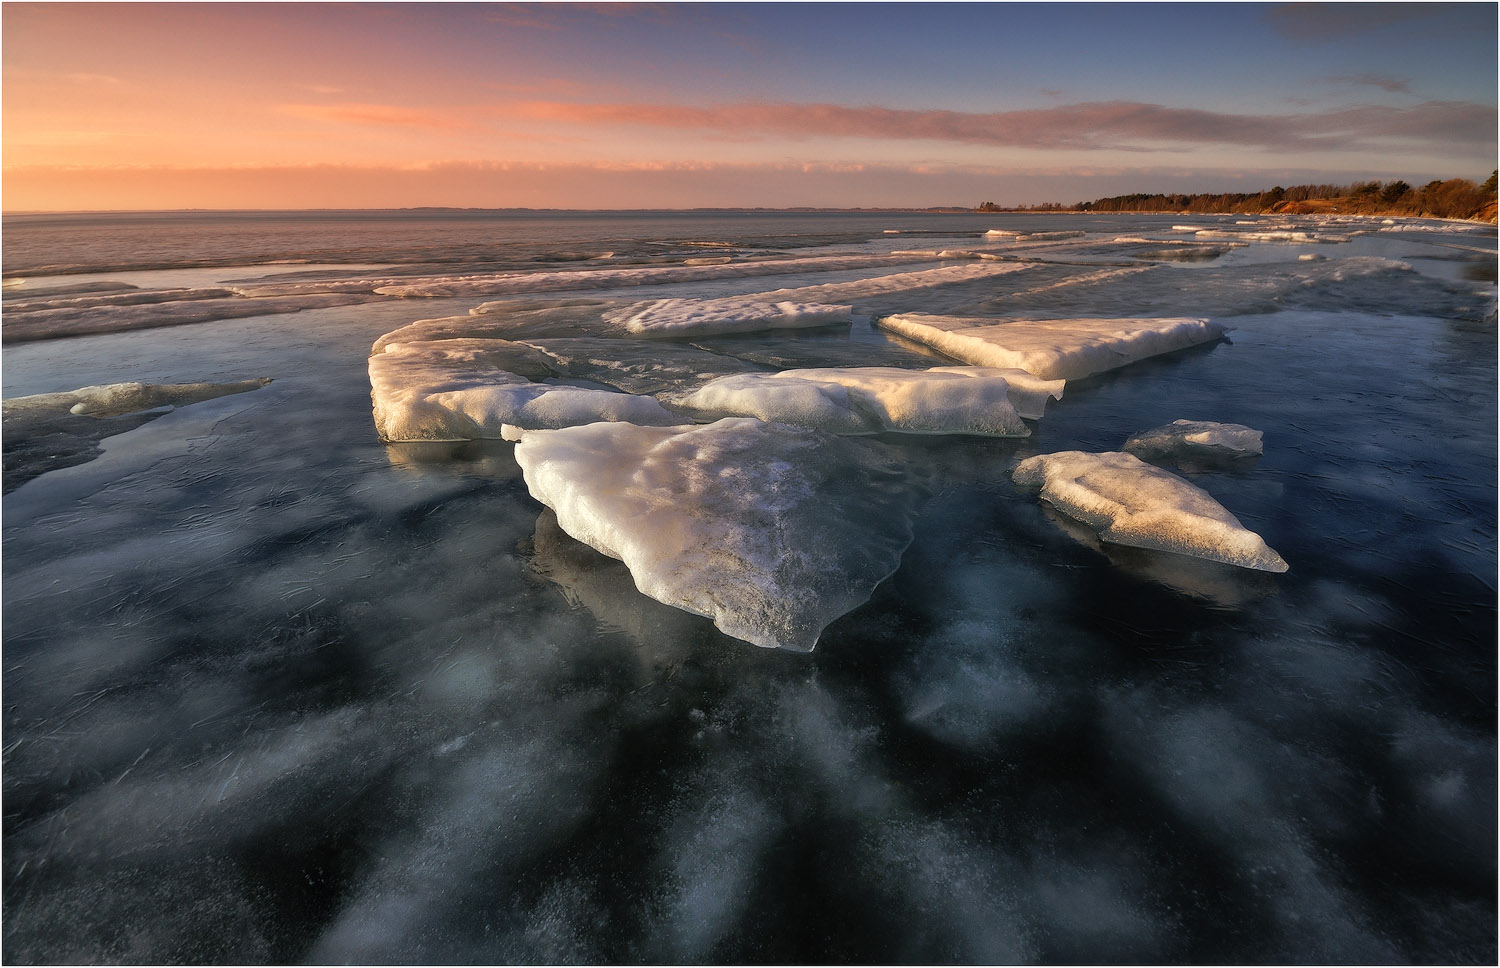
<point>855,400</point>
<point>466,389</point>
<point>1057,349</point>
<point>1196,440</point>
<point>636,366</point>
<point>1130,502</point>
<point>771,531</point>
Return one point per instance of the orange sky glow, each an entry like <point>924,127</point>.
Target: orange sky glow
<point>166,106</point>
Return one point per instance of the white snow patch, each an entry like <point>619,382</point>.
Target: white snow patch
<point>1130,502</point>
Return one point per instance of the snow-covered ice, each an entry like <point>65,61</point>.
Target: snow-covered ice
<point>772,531</point>
<point>1060,349</point>
<point>1130,502</point>
<point>463,389</point>
<point>941,400</point>
<point>680,318</point>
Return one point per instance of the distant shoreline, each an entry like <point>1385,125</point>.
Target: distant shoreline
<point>939,210</point>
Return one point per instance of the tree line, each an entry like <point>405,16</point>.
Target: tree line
<point>1453,198</point>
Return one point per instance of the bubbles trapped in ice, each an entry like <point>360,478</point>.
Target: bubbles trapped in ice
<point>1130,502</point>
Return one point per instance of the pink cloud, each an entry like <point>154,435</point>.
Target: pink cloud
<point>1116,125</point>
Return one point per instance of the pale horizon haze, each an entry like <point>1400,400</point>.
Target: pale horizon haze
<point>632,106</point>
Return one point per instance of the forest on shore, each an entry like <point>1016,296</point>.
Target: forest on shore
<point>1455,198</point>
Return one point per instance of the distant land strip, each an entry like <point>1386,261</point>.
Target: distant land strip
<point>1455,198</point>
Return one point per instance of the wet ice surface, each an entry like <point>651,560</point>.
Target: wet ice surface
<point>277,692</point>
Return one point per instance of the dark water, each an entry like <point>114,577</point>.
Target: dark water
<point>275,692</point>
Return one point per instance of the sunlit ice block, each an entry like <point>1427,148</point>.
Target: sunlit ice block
<point>853,400</point>
<point>1055,349</point>
<point>769,530</point>
<point>467,389</point>
<point>1130,502</point>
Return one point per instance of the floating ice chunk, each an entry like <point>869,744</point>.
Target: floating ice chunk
<point>1196,439</point>
<point>684,318</point>
<point>943,400</point>
<point>1130,502</point>
<point>468,388</point>
<point>1056,349</point>
<point>1002,233</point>
<point>771,531</point>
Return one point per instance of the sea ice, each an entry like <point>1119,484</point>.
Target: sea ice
<point>686,318</point>
<point>465,389</point>
<point>1056,349</point>
<point>1195,439</point>
<point>574,279</point>
<point>943,400</point>
<point>771,531</point>
<point>1130,502</point>
<point>47,431</point>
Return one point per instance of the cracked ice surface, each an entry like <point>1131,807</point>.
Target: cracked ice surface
<point>771,531</point>
<point>1130,502</point>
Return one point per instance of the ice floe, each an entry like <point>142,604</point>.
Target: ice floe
<point>942,400</point>
<point>769,530</point>
<point>526,282</point>
<point>151,310</point>
<point>465,389</point>
<point>1196,440</point>
<point>47,431</point>
<point>684,318</point>
<point>1055,349</point>
<point>1130,502</point>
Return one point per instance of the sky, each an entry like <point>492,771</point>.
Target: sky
<point>127,106</point>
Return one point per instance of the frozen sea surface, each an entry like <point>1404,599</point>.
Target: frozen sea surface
<point>276,692</point>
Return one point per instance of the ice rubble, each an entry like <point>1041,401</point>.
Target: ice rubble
<point>1059,349</point>
<point>1130,502</point>
<point>858,400</point>
<point>771,531</point>
<point>465,389</point>
<point>1196,439</point>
